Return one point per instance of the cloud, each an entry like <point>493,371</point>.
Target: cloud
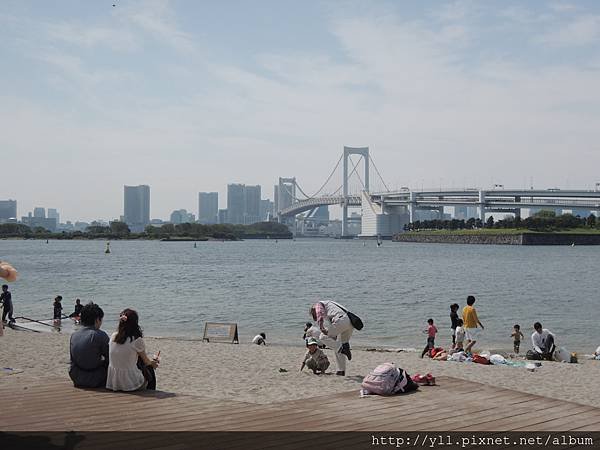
<point>87,36</point>
<point>157,18</point>
<point>581,31</point>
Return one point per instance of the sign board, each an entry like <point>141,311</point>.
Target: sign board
<point>221,332</point>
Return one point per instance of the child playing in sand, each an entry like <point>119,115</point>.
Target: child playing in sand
<point>431,331</point>
<point>517,336</point>
<point>310,331</point>
<point>260,339</point>
<point>459,335</point>
<point>57,308</point>
<point>315,359</point>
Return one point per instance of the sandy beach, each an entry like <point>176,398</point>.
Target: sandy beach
<point>251,373</point>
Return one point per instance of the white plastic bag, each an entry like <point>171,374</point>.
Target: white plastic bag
<point>497,359</point>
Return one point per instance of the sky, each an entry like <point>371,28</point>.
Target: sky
<point>187,96</point>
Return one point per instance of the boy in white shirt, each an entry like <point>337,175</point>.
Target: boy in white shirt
<point>459,335</point>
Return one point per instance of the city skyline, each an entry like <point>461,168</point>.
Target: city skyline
<point>451,94</point>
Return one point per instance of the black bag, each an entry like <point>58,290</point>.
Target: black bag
<point>533,355</point>
<point>356,322</point>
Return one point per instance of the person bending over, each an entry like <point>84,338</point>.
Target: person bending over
<point>338,335</point>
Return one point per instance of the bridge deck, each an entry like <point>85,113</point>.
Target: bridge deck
<point>453,405</point>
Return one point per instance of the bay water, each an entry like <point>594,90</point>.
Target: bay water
<point>268,286</point>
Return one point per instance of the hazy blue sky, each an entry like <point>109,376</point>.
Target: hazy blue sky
<point>186,96</point>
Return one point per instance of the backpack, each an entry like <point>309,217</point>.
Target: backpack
<point>533,355</point>
<point>387,379</point>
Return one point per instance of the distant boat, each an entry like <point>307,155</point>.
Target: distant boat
<point>107,248</point>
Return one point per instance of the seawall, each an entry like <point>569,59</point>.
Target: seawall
<point>501,239</point>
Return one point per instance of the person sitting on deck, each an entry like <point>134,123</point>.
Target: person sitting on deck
<point>129,369</point>
<point>543,342</point>
<point>89,350</point>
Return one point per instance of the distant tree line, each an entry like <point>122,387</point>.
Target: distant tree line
<point>540,221</point>
<point>120,230</point>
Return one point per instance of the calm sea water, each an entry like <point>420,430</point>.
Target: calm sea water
<point>268,286</point>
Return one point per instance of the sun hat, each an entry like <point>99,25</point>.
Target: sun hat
<point>312,341</point>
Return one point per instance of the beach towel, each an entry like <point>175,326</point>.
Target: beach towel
<point>497,359</point>
<point>480,359</point>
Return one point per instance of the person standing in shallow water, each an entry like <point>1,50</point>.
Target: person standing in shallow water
<point>338,335</point>
<point>7,304</point>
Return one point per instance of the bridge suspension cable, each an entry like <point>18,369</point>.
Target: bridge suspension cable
<point>308,197</point>
<point>380,177</point>
<point>349,175</point>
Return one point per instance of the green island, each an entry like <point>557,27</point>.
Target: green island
<point>542,228</point>
<point>167,232</point>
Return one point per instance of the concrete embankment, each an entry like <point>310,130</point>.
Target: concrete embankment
<point>501,239</point>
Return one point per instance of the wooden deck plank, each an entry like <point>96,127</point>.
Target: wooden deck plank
<point>452,405</point>
<point>565,423</point>
<point>522,420</point>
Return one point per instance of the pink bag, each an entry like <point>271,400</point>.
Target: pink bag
<point>386,379</point>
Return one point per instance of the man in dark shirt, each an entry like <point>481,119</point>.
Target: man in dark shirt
<point>454,321</point>
<point>89,350</point>
<point>6,300</point>
<point>78,308</point>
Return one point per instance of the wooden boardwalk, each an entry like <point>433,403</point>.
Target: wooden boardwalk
<point>453,405</point>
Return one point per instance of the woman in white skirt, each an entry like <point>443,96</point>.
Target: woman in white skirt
<point>125,347</point>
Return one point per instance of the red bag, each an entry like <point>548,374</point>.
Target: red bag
<point>480,359</point>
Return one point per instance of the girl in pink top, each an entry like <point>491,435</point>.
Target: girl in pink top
<point>431,332</point>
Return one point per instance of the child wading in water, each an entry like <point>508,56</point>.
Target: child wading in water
<point>517,336</point>
<point>57,308</point>
<point>315,359</point>
<point>431,331</point>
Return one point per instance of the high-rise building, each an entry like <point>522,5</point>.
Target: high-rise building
<point>243,204</point>
<point>137,207</point>
<point>53,214</point>
<point>235,203</point>
<point>275,199</point>
<point>251,204</point>
<point>8,209</point>
<point>39,213</point>
<point>266,210</point>
<point>208,207</point>
<point>182,216</point>
<point>222,216</point>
